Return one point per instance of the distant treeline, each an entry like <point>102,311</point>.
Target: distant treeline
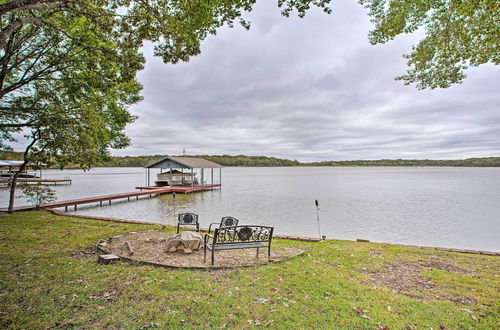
<point>469,162</point>
<point>262,161</point>
<point>10,155</point>
<point>225,160</point>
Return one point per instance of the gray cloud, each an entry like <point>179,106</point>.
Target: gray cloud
<point>311,89</point>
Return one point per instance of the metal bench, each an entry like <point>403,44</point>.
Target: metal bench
<point>225,222</point>
<point>188,219</point>
<point>238,237</point>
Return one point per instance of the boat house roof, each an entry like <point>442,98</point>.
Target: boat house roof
<point>11,162</point>
<point>183,162</point>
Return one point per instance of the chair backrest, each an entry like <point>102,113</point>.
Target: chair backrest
<point>228,222</point>
<point>237,234</point>
<point>188,219</point>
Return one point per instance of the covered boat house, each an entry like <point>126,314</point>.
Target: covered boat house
<point>180,171</point>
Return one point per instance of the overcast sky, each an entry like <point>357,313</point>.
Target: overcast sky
<point>310,89</point>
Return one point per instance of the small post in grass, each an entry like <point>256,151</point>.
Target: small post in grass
<point>317,217</point>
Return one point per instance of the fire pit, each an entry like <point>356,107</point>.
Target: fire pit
<point>151,246</point>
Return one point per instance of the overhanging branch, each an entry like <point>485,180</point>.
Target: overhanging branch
<point>19,125</point>
<point>29,4</point>
<point>17,23</point>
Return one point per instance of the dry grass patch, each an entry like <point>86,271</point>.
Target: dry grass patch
<point>408,279</point>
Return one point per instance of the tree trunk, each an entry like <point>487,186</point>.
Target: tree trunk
<point>13,184</point>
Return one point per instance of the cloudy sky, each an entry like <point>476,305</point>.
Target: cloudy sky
<point>310,89</point>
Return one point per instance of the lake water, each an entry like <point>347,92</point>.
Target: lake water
<point>449,207</point>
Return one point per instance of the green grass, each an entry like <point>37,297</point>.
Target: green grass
<point>49,277</point>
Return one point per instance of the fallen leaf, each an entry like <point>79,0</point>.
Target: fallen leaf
<point>261,300</point>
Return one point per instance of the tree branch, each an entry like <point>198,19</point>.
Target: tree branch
<point>20,125</point>
<point>28,4</point>
<point>5,60</point>
<point>17,23</point>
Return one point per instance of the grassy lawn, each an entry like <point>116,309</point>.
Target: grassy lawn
<point>49,277</point>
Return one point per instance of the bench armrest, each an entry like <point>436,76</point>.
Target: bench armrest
<point>206,239</point>
<point>210,227</point>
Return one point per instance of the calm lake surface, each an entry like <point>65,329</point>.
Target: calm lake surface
<point>449,207</point>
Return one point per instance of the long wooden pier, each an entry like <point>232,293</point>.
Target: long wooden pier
<point>143,191</point>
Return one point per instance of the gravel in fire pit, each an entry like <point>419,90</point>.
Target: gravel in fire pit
<point>149,246</point>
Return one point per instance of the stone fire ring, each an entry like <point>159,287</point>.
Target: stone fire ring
<point>149,247</point>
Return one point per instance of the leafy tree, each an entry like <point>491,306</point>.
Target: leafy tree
<point>458,34</point>
<point>66,83</point>
<point>38,194</point>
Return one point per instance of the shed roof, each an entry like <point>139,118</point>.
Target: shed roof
<point>183,162</point>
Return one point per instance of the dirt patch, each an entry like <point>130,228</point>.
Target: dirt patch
<point>406,278</point>
<point>149,246</point>
<point>444,266</point>
<point>402,278</point>
<point>84,254</point>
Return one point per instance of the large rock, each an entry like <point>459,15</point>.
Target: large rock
<point>187,241</point>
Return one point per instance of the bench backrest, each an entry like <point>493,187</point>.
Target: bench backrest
<point>188,219</point>
<point>242,234</point>
<point>228,222</point>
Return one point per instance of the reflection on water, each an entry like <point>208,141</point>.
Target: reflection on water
<point>453,207</point>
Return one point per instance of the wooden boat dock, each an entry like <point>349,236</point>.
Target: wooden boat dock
<point>171,182</point>
<point>37,180</point>
<point>143,191</point>
<point>8,168</point>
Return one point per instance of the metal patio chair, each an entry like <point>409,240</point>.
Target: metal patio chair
<point>225,222</point>
<point>188,219</point>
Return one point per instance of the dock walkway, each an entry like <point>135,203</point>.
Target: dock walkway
<point>143,191</point>
<point>36,180</point>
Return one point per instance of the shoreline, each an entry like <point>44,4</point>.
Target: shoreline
<point>282,166</point>
<point>290,237</point>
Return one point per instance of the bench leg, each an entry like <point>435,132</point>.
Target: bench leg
<point>177,228</point>
<point>204,252</point>
<point>257,256</point>
<point>213,256</point>
<point>269,253</point>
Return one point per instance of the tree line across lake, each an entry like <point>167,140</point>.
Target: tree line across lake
<point>263,161</point>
